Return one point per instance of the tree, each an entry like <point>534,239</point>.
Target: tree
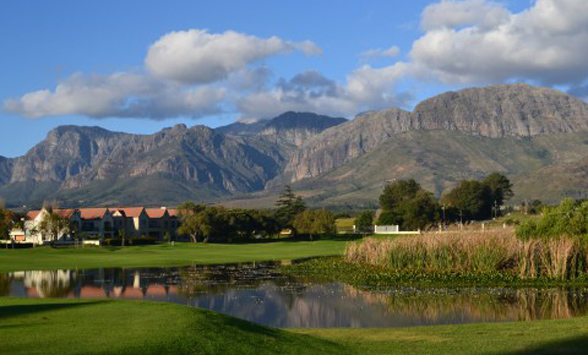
<point>190,222</point>
<point>314,222</point>
<point>122,233</point>
<point>288,206</point>
<point>266,222</point>
<point>500,188</point>
<point>6,222</point>
<point>406,203</point>
<point>54,225</point>
<point>324,222</point>
<point>469,200</point>
<point>217,223</point>
<point>364,221</point>
<point>241,223</point>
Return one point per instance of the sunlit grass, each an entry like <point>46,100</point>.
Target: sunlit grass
<point>41,258</point>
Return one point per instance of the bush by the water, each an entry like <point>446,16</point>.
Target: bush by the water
<point>478,253</point>
<point>570,219</point>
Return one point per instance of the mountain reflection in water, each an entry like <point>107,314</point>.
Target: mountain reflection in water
<point>256,292</point>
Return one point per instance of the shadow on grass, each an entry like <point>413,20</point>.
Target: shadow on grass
<point>247,333</point>
<point>576,345</point>
<point>24,309</point>
<point>299,238</point>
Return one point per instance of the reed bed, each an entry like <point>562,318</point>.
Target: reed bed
<point>490,252</point>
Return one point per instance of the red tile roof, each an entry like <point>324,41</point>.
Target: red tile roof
<point>129,211</point>
<point>65,213</point>
<point>32,214</point>
<point>172,212</point>
<point>92,213</point>
<point>155,212</point>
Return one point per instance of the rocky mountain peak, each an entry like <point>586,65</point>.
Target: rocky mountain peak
<point>503,110</point>
<point>496,111</point>
<point>294,128</point>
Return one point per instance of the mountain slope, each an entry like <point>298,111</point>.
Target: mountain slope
<point>83,165</point>
<point>82,158</point>
<point>439,159</point>
<point>242,129</point>
<point>5,169</point>
<point>294,128</point>
<point>497,111</point>
<point>528,133</point>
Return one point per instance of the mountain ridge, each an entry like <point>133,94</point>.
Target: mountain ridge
<point>514,129</point>
<point>496,111</point>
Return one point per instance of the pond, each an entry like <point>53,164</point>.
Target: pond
<point>258,293</point>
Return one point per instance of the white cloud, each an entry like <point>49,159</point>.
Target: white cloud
<point>196,56</point>
<point>183,67</point>
<point>366,88</point>
<point>390,52</point>
<point>118,95</point>
<point>483,42</point>
<point>453,14</point>
<point>194,73</point>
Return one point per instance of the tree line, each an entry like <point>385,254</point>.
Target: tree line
<point>407,204</point>
<point>204,223</point>
<point>403,202</point>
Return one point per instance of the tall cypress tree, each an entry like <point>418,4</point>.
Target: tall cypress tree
<point>288,206</point>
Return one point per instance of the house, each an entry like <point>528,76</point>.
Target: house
<point>32,224</point>
<point>95,223</point>
<point>133,220</point>
<point>102,223</point>
<point>160,223</point>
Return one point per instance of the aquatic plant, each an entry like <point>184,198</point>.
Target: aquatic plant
<point>475,253</point>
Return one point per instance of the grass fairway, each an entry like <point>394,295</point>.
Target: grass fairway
<point>49,326</point>
<point>42,258</point>
<point>32,326</point>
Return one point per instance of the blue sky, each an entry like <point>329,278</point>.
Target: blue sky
<point>139,66</point>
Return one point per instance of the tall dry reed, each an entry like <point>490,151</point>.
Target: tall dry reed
<point>482,253</point>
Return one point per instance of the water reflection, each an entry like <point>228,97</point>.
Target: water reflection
<point>258,293</point>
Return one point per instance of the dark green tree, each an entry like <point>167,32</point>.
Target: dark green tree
<point>364,221</point>
<point>215,223</point>
<point>313,222</point>
<point>6,222</point>
<point>469,200</point>
<point>406,203</point>
<point>242,223</point>
<point>288,206</point>
<point>500,188</point>
<point>266,222</point>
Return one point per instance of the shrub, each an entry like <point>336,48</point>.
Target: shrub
<point>111,242</point>
<point>570,218</point>
<point>143,240</point>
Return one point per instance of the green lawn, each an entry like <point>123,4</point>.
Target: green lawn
<point>164,254</point>
<point>51,326</point>
<point>55,326</point>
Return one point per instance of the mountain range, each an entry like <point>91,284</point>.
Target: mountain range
<point>537,136</point>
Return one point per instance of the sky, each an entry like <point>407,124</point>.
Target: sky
<point>139,66</point>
